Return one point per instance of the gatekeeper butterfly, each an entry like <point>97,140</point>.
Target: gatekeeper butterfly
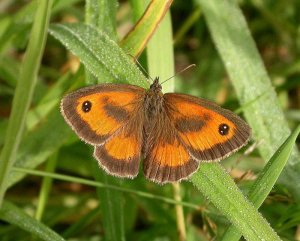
<point>172,132</point>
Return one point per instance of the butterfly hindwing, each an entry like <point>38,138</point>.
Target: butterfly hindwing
<point>166,157</point>
<point>121,154</point>
<point>209,131</point>
<point>96,112</point>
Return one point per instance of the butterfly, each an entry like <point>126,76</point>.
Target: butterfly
<point>173,133</point>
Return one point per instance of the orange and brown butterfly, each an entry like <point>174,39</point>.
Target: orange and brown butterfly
<point>173,133</point>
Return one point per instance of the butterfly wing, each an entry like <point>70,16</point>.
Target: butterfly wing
<point>166,157</point>
<point>208,131</point>
<point>121,154</point>
<point>97,112</point>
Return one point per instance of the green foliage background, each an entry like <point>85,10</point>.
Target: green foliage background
<point>247,59</point>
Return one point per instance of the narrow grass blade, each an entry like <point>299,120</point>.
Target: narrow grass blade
<point>102,185</point>
<point>24,92</point>
<point>11,214</point>
<point>136,40</point>
<point>246,70</point>
<point>266,179</point>
<point>188,23</point>
<point>160,54</point>
<point>221,190</point>
<point>45,188</point>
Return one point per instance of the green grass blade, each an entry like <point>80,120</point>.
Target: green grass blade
<point>102,14</point>
<point>271,172</point>
<point>221,190</point>
<point>160,54</point>
<point>188,23</point>
<point>11,214</point>
<point>100,55</point>
<point>104,185</point>
<point>266,180</point>
<point>246,70</point>
<point>136,40</point>
<point>24,92</point>
<point>45,187</point>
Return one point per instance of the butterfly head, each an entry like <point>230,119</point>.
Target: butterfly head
<point>156,86</point>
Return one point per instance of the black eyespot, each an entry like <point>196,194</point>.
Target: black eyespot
<point>86,106</point>
<point>223,129</point>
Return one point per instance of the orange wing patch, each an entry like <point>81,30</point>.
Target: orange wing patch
<point>168,162</point>
<point>120,155</point>
<point>209,132</point>
<point>106,114</point>
<point>95,113</point>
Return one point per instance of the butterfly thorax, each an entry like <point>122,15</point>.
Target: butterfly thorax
<point>153,101</point>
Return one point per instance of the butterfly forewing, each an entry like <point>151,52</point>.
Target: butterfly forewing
<point>96,113</point>
<point>207,130</point>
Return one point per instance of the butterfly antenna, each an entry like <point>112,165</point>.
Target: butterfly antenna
<point>186,68</point>
<point>143,69</point>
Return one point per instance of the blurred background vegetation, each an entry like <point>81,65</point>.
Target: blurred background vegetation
<point>71,208</point>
